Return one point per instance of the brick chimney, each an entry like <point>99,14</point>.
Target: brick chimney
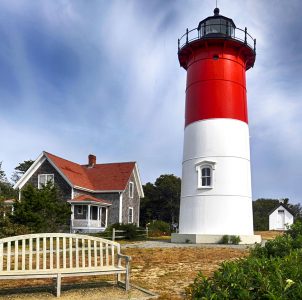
<point>91,160</point>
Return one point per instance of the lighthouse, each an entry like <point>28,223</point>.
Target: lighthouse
<point>216,195</point>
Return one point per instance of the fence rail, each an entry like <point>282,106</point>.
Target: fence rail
<point>118,234</point>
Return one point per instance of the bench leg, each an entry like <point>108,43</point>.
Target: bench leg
<point>118,278</point>
<point>127,279</point>
<point>58,285</point>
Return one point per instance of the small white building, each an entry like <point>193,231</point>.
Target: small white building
<point>280,217</point>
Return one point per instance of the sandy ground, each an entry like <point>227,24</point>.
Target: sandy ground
<point>168,271</point>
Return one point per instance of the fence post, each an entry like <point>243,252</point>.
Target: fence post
<point>147,232</point>
<point>113,234</point>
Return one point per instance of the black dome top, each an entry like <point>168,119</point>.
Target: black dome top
<point>216,11</point>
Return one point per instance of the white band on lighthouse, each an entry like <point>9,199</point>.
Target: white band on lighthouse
<point>216,185</point>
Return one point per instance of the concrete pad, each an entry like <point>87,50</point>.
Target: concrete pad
<point>211,239</point>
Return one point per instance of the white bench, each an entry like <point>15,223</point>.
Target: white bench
<point>57,255</point>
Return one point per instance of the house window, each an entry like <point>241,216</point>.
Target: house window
<point>80,212</point>
<point>131,189</point>
<point>43,179</point>
<point>130,215</point>
<point>205,174</point>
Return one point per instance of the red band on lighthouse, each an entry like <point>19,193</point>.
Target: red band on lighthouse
<point>216,86</point>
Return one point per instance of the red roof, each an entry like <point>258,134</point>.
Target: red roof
<point>82,198</point>
<point>100,177</point>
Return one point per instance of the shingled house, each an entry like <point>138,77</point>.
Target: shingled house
<point>99,194</point>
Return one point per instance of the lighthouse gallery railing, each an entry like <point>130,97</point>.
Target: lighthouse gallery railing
<point>227,32</point>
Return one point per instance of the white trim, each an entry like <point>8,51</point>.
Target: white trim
<point>86,202</point>
<point>120,216</point>
<point>96,191</point>
<point>138,181</point>
<point>33,168</point>
<point>130,208</point>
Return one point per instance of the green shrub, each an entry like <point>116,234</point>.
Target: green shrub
<point>235,239</point>
<point>253,278</point>
<point>130,231</point>
<point>272,271</point>
<point>158,228</point>
<point>224,239</point>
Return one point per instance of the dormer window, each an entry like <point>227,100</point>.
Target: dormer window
<point>205,174</point>
<point>43,179</point>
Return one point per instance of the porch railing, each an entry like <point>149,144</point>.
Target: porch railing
<point>87,223</point>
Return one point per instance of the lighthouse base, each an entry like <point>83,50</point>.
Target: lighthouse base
<point>181,238</point>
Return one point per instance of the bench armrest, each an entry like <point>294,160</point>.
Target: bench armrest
<point>126,257</point>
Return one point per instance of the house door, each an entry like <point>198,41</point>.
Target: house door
<point>280,219</point>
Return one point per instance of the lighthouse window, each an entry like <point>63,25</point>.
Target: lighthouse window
<point>205,174</point>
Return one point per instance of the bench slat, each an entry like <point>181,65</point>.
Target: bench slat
<point>77,253</point>
<point>64,253</point>
<point>70,252</point>
<point>58,252</point>
<point>112,255</point>
<point>37,253</point>
<point>30,259</point>
<point>101,253</point>
<point>51,253</point>
<point>83,253</point>
<point>23,254</point>
<point>44,253</point>
<point>8,257</point>
<point>95,253</point>
<point>16,255</point>
<point>107,255</point>
<point>1,256</point>
<point>89,253</point>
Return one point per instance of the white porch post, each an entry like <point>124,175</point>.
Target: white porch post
<point>99,217</point>
<point>106,219</point>
<point>88,217</point>
<point>72,218</point>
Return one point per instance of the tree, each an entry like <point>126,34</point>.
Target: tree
<point>7,227</point>
<point>162,200</point>
<point>6,189</point>
<point>261,209</point>
<point>21,169</point>
<point>42,210</point>
<point>296,209</point>
<point>2,174</point>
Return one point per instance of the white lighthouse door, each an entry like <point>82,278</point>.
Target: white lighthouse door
<point>280,219</point>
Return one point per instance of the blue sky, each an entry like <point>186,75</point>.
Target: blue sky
<point>102,77</point>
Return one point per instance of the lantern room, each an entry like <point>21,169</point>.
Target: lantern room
<point>216,25</point>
